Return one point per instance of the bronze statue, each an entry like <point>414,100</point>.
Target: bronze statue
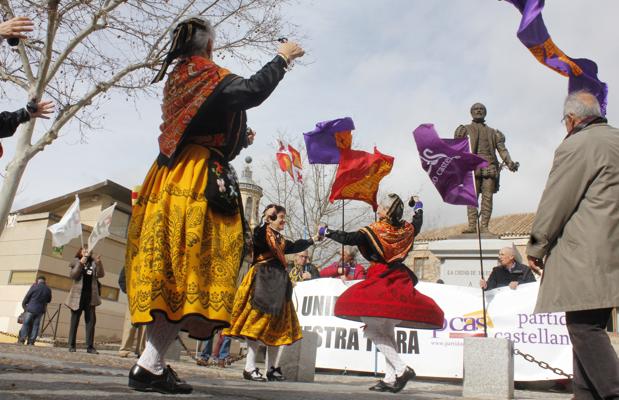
<point>485,142</point>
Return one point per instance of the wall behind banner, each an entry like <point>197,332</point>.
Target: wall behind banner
<point>438,353</point>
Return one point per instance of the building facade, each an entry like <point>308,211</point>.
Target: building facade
<point>26,252</point>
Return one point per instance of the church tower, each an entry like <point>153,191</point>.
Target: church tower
<point>251,193</point>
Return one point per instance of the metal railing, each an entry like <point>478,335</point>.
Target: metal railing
<point>50,320</point>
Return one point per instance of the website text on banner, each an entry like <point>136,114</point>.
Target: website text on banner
<point>342,345</point>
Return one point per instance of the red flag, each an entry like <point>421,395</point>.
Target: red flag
<point>359,174</point>
<point>296,157</point>
<point>285,164</point>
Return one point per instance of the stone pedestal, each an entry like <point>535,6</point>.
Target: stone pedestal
<point>488,368</point>
<point>460,258</point>
<point>298,362</point>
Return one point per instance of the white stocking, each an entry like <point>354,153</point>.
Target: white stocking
<point>274,354</point>
<point>252,350</point>
<point>380,332</point>
<point>159,335</point>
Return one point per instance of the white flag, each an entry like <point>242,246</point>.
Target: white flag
<point>69,227</point>
<point>102,228</point>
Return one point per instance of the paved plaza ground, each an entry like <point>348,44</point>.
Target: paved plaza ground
<point>42,373</point>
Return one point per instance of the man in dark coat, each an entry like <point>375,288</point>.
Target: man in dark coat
<point>510,273</point>
<point>34,304</point>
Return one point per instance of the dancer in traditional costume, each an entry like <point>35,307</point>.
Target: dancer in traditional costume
<point>186,236</point>
<point>263,310</point>
<point>387,297</point>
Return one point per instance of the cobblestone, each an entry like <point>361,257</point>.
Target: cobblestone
<point>46,373</point>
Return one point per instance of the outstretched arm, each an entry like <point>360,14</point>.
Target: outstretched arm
<point>242,94</point>
<point>347,238</point>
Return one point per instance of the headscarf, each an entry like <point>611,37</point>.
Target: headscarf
<point>181,35</point>
<point>394,208</point>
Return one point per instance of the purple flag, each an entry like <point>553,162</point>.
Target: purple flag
<point>582,73</point>
<point>325,142</point>
<point>450,165</point>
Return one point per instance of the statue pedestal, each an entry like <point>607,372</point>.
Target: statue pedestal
<point>459,257</point>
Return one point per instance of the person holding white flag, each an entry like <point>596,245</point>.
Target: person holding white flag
<point>86,269</point>
<point>69,227</point>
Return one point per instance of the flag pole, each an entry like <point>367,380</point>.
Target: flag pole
<point>342,259</point>
<point>481,266</point>
<point>301,191</point>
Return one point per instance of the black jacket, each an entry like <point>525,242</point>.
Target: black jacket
<point>9,121</point>
<point>37,298</point>
<point>500,276</point>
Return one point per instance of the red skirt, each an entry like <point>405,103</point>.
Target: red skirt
<point>392,296</point>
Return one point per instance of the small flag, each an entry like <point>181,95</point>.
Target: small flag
<point>135,193</point>
<point>359,175</point>
<point>285,164</point>
<point>327,140</point>
<point>296,157</point>
<point>68,227</point>
<point>102,228</point>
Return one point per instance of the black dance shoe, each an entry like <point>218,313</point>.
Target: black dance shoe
<point>254,375</point>
<point>167,383</point>
<point>382,386</point>
<point>400,381</point>
<point>275,374</point>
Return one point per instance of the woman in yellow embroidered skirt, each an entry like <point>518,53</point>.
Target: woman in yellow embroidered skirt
<point>186,236</point>
<point>263,309</point>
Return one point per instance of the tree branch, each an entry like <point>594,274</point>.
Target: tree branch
<point>94,26</point>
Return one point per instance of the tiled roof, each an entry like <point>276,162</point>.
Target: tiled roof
<point>506,225</point>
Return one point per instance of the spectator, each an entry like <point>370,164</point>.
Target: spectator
<point>220,356</point>
<point>34,304</point>
<point>509,273</point>
<point>576,230</point>
<point>84,296</point>
<point>347,270</point>
<point>301,270</point>
<point>131,332</point>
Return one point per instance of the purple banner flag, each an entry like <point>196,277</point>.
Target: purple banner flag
<point>582,73</point>
<point>450,165</point>
<point>325,142</point>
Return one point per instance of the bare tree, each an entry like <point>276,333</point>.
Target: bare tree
<point>313,195</point>
<point>88,48</point>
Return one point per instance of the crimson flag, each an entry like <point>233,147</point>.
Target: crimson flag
<point>285,164</point>
<point>358,175</point>
<point>296,157</point>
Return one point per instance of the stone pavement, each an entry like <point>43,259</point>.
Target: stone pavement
<point>42,373</point>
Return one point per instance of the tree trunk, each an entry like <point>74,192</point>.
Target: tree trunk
<point>14,172</point>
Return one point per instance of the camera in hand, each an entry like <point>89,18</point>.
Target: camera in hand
<point>322,231</point>
<point>32,106</point>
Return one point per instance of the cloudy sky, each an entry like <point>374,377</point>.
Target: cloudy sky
<point>390,65</point>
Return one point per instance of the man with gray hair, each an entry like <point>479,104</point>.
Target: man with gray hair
<point>575,241</point>
<point>509,273</point>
